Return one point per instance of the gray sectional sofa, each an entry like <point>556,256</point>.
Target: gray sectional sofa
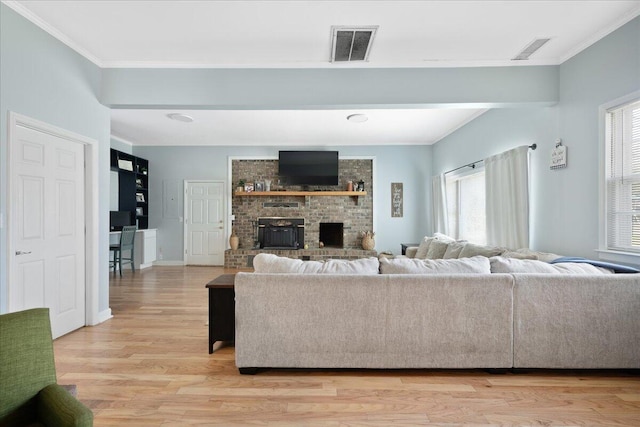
<point>470,320</point>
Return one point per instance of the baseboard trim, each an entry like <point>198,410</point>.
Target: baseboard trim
<point>104,315</point>
<point>180,263</point>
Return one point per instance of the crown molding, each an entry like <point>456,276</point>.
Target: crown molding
<point>36,20</point>
<point>120,139</point>
<point>460,125</point>
<point>601,34</point>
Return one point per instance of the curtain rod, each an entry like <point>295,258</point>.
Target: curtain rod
<point>472,165</point>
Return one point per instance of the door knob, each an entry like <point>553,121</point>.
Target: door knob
<point>23,252</point>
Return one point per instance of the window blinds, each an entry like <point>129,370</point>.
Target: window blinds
<point>623,177</point>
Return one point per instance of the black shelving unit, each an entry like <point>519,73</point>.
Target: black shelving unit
<point>133,185</point>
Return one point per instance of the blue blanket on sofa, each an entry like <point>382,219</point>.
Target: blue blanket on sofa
<point>617,268</point>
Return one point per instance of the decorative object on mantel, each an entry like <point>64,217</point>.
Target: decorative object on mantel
<point>360,185</point>
<point>349,185</point>
<point>234,240</point>
<point>267,185</point>
<point>259,186</point>
<point>248,187</point>
<point>240,186</point>
<point>558,156</point>
<point>368,241</point>
<point>397,200</point>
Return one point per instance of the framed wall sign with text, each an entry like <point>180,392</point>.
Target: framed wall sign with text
<point>396,200</point>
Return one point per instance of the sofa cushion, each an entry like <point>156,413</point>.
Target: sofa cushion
<point>443,237</point>
<point>437,249</point>
<point>270,263</point>
<point>513,265</point>
<point>454,249</point>
<point>518,255</point>
<point>471,250</point>
<point>542,256</point>
<point>423,249</point>
<point>362,266</point>
<point>421,253</point>
<point>435,266</point>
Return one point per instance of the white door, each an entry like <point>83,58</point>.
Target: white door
<point>47,222</point>
<point>204,223</point>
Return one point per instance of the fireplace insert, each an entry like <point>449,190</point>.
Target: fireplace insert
<point>281,233</point>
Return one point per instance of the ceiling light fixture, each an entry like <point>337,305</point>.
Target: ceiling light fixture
<point>180,117</point>
<point>358,118</point>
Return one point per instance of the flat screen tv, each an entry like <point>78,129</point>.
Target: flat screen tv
<point>308,167</point>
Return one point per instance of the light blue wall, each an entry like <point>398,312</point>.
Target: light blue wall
<point>170,166</point>
<point>329,88</point>
<point>118,144</point>
<point>497,131</point>
<point>42,78</point>
<point>604,72</point>
<point>564,202</point>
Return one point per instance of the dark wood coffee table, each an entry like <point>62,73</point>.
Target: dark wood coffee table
<point>222,306</point>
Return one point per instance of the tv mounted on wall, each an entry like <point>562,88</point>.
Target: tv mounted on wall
<point>308,167</point>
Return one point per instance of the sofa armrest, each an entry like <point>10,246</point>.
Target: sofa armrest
<point>57,407</point>
<point>410,252</point>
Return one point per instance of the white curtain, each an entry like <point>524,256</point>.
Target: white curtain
<point>507,187</point>
<point>439,194</point>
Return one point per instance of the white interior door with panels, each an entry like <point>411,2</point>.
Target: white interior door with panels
<point>47,226</point>
<point>205,236</point>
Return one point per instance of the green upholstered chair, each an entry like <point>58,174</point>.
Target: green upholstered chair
<point>29,394</point>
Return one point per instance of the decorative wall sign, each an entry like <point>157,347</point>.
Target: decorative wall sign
<point>396,200</point>
<point>558,156</point>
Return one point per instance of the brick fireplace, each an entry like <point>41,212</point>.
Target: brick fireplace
<point>353,214</point>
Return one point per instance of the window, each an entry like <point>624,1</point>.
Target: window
<point>623,177</point>
<point>466,206</point>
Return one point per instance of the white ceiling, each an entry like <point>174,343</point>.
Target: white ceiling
<point>296,34</point>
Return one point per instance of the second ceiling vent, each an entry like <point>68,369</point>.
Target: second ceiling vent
<point>351,43</point>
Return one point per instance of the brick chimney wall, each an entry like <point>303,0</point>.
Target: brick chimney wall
<point>356,214</point>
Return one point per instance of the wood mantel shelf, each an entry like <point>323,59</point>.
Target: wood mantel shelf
<point>300,193</point>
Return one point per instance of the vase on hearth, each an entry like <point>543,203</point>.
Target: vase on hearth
<point>234,240</point>
<point>368,241</point>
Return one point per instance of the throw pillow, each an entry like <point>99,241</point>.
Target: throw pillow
<point>437,249</point>
<point>542,256</point>
<point>474,265</point>
<point>443,237</point>
<point>512,265</point>
<point>471,250</point>
<point>363,266</point>
<point>269,263</point>
<point>518,255</point>
<point>423,248</point>
<point>454,249</point>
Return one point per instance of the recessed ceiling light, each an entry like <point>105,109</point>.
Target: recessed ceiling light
<point>358,118</point>
<point>180,117</point>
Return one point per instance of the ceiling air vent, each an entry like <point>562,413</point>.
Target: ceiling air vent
<point>351,43</point>
<point>530,49</point>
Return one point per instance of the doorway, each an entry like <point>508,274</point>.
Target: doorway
<point>53,261</point>
<point>204,225</point>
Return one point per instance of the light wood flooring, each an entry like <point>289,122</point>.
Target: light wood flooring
<point>149,366</point>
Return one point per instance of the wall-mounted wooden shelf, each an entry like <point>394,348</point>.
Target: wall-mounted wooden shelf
<point>354,194</point>
<point>300,193</point>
